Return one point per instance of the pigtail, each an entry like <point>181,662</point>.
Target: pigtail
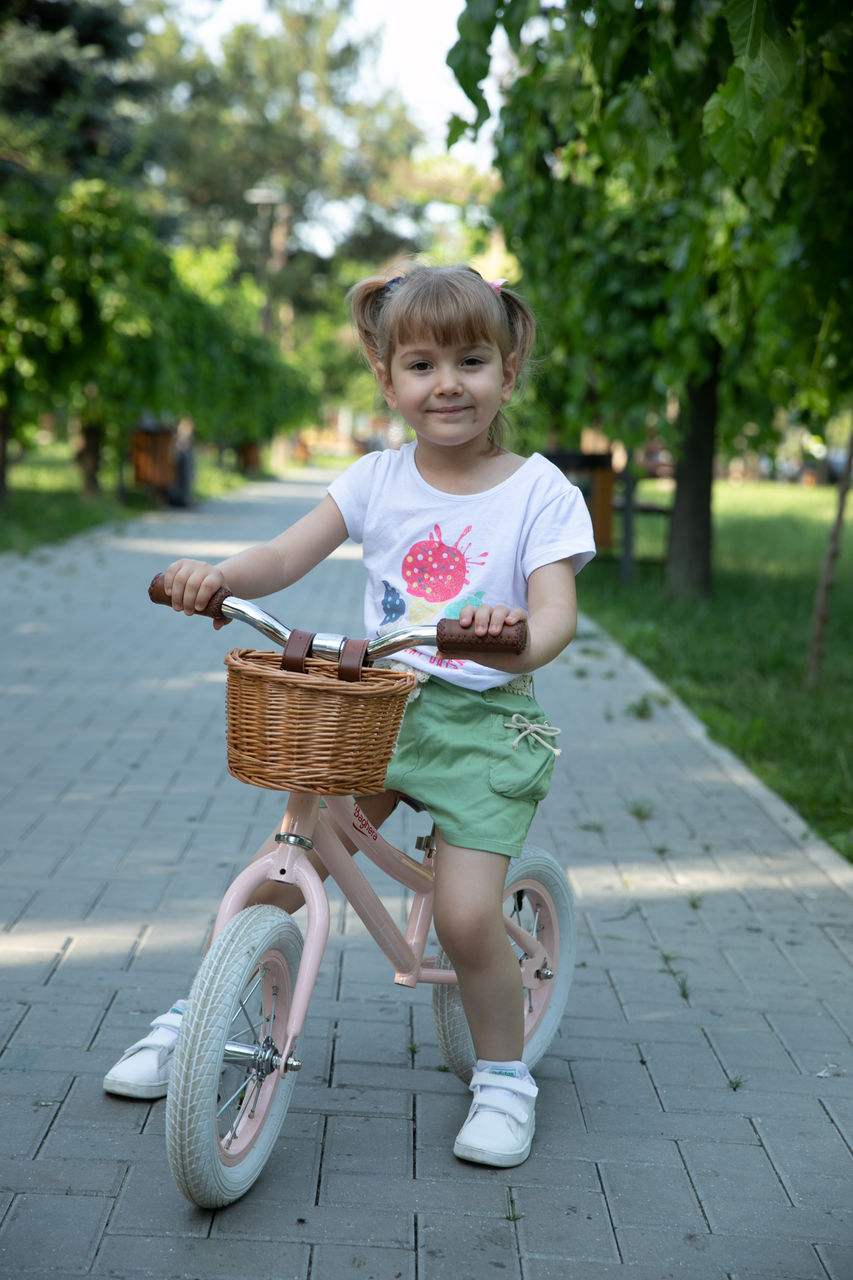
<point>521,323</point>
<point>366,300</point>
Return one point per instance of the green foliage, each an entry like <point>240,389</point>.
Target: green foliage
<point>103,327</point>
<point>68,98</point>
<point>675,179</point>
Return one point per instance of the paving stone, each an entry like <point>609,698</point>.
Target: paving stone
<point>466,1248</point>
<point>651,1195</point>
<point>190,1258</point>
<point>330,1262</point>
<point>759,1257</point>
<point>42,1230</point>
<point>571,1223</point>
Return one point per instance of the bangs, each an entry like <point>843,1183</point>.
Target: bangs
<point>450,307</point>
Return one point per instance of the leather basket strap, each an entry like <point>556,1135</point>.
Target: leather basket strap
<point>296,650</point>
<point>352,660</point>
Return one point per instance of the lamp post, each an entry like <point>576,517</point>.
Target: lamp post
<point>271,205</point>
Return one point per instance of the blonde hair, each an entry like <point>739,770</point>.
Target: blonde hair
<point>454,306</point>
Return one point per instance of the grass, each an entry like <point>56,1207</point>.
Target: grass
<point>46,502</point>
<point>738,660</point>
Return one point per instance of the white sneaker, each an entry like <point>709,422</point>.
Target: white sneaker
<point>501,1122</point>
<point>142,1071</point>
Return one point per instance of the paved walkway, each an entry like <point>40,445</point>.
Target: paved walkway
<point>696,1111</point>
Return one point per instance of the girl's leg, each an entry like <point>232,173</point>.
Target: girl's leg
<point>469,887</point>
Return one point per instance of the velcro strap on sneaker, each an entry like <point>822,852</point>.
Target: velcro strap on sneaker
<point>169,1019</point>
<point>526,1088</point>
<point>163,1033</point>
<point>506,1106</point>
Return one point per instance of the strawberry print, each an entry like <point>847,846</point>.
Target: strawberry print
<point>435,571</point>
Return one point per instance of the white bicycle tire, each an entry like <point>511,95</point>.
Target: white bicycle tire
<point>258,952</point>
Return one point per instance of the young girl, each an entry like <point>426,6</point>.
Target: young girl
<point>456,524</point>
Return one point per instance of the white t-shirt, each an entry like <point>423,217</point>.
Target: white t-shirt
<point>427,553</point>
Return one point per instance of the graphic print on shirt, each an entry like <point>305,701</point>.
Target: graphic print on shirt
<point>433,574</point>
<point>436,572</point>
<point>475,600</point>
<point>393,604</point>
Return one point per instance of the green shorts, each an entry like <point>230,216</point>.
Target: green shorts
<point>478,773</point>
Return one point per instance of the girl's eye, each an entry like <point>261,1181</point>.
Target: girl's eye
<point>420,366</point>
<point>472,362</point>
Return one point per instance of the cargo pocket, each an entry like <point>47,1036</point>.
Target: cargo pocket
<point>523,753</point>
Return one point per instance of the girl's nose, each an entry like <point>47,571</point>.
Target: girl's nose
<point>448,380</point>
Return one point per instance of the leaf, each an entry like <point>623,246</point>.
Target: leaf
<point>470,65</point>
<point>456,129</point>
<point>757,49</point>
<point>730,143</point>
<point>742,99</point>
<point>469,58</point>
<point>745,20</point>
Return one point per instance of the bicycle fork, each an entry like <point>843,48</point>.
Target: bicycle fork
<point>286,864</point>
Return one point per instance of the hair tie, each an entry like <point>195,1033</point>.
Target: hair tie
<point>389,284</point>
<point>496,285</point>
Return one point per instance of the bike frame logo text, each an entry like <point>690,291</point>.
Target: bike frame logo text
<point>362,824</point>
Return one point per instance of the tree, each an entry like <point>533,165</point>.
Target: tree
<point>269,145</point>
<point>658,160</point>
<point>67,108</point>
<point>94,319</point>
<point>141,340</point>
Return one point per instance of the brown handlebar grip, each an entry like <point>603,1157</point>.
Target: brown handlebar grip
<point>213,608</point>
<point>457,640</point>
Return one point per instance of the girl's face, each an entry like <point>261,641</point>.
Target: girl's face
<point>449,395</point>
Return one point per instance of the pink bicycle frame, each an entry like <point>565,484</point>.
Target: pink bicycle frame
<point>305,826</point>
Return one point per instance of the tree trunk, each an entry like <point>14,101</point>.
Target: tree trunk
<point>688,562</point>
<point>89,458</point>
<point>820,613</point>
<point>626,560</point>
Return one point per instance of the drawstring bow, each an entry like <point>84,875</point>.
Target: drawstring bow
<point>540,733</point>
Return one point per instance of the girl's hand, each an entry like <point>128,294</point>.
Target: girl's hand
<point>488,619</point>
<point>552,618</point>
<point>191,584</point>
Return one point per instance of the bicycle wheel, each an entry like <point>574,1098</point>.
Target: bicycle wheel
<point>227,1099</point>
<point>538,896</point>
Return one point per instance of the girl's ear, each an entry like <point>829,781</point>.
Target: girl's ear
<point>384,380</point>
<point>510,376</point>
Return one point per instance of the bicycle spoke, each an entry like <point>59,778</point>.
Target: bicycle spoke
<point>241,1007</point>
<point>246,1109</point>
<point>241,1088</point>
<point>256,1034</point>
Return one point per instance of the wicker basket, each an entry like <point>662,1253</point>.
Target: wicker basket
<point>311,732</point>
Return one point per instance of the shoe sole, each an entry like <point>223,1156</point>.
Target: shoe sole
<point>145,1092</point>
<point>497,1159</point>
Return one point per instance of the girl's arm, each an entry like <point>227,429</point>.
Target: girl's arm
<point>552,619</point>
<point>260,570</point>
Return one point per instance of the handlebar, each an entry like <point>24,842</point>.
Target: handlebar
<point>447,634</point>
